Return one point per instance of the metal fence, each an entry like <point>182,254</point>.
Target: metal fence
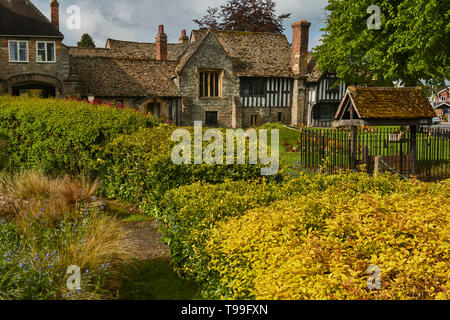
<point>421,152</point>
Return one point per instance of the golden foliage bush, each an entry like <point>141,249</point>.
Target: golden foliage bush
<point>319,246</point>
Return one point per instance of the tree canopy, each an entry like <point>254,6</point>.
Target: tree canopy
<point>244,15</point>
<point>411,45</point>
<point>86,41</point>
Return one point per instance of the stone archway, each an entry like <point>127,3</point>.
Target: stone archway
<point>48,86</point>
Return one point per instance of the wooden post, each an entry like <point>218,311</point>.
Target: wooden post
<point>376,167</point>
<point>353,146</point>
<point>413,129</point>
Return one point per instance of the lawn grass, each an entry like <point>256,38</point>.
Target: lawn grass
<point>155,280</point>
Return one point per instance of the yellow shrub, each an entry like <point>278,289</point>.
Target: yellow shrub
<point>319,246</point>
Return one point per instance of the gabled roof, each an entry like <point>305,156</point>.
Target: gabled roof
<point>115,77</point>
<point>253,54</point>
<point>256,54</point>
<point>22,18</point>
<point>387,103</point>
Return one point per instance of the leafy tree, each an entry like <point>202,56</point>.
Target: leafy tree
<point>86,41</point>
<point>411,46</point>
<point>244,15</point>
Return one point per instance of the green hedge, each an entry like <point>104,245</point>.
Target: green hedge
<point>63,136</point>
<point>139,168</point>
<point>123,147</point>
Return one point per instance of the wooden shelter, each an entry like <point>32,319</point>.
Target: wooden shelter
<point>379,106</point>
<point>375,106</point>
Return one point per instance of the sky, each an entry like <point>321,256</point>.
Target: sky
<point>138,20</point>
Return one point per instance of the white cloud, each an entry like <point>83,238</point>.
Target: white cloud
<point>138,20</point>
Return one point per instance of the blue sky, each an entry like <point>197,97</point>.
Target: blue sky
<point>138,20</point>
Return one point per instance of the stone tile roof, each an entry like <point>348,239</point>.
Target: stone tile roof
<point>256,54</point>
<point>144,50</point>
<point>390,103</point>
<point>116,77</point>
<point>93,52</point>
<point>22,18</point>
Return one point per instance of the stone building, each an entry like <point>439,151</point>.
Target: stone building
<point>223,78</point>
<point>32,55</point>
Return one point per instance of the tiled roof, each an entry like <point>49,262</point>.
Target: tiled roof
<point>93,52</point>
<point>144,50</point>
<point>22,18</point>
<point>115,77</point>
<point>390,103</point>
<point>256,54</point>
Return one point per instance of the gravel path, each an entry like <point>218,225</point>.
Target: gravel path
<point>145,240</point>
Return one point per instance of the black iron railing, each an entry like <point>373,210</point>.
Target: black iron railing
<point>421,152</point>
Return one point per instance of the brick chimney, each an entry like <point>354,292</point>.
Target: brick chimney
<point>54,6</point>
<point>184,38</point>
<point>161,44</point>
<point>300,42</point>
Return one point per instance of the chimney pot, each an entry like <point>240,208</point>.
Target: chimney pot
<point>54,6</point>
<point>161,29</point>
<point>184,38</point>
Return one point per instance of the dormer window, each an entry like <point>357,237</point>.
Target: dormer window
<point>18,51</point>
<point>46,51</point>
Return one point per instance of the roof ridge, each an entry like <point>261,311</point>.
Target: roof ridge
<point>244,32</point>
<point>125,58</point>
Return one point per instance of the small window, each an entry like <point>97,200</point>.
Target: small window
<point>18,51</point>
<point>280,116</point>
<point>46,51</point>
<point>211,118</point>
<point>209,84</point>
